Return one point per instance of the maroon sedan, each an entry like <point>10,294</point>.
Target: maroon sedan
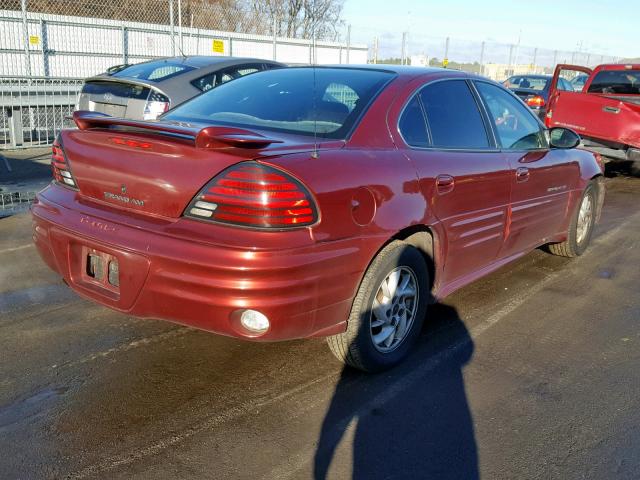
<point>303,202</point>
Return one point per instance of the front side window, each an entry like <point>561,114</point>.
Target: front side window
<point>453,116</point>
<point>303,100</point>
<point>515,125</point>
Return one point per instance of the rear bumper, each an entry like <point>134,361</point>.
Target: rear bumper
<point>304,291</point>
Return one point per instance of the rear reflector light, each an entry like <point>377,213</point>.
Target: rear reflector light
<point>254,195</point>
<point>536,101</point>
<point>60,166</point>
<point>157,104</point>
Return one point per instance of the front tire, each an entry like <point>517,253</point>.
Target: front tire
<point>388,311</point>
<point>581,226</point>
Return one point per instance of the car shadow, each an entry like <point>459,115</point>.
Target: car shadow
<point>407,424</point>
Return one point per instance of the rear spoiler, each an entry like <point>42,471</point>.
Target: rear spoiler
<point>208,137</point>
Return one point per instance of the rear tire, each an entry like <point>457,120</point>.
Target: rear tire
<point>581,225</point>
<point>388,311</point>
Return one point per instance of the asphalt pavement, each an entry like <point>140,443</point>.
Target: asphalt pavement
<point>530,373</point>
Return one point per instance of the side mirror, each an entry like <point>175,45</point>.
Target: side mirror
<point>560,137</point>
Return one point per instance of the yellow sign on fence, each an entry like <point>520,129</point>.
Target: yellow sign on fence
<point>34,39</point>
<point>218,46</point>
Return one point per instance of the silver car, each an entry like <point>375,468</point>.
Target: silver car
<point>144,91</point>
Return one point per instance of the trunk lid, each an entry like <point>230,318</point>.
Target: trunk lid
<point>115,98</point>
<point>156,168</point>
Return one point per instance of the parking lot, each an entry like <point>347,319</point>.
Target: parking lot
<point>528,373</point>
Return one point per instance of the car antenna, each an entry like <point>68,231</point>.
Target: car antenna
<point>314,153</point>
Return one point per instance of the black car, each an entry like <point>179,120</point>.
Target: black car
<point>534,90</point>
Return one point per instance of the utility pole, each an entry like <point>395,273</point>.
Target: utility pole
<point>403,49</point>
<point>481,59</point>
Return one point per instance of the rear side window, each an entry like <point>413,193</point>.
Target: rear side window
<point>216,78</point>
<point>516,126</point>
<point>453,116</point>
<point>626,82</point>
<point>412,125</point>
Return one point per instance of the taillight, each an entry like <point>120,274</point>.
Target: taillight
<point>536,101</point>
<point>156,105</point>
<point>60,166</point>
<point>254,195</point>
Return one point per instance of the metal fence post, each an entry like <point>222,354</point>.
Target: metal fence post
<point>403,49</point>
<point>446,50</point>
<point>348,41</point>
<point>509,69</point>
<point>180,27</point>
<point>535,57</point>
<point>375,50</point>
<point>125,45</point>
<point>555,58</point>
<point>172,29</point>
<point>44,36</point>
<point>25,36</point>
<point>481,59</point>
<point>275,38</point>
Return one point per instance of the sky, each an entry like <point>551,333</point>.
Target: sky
<point>609,28</point>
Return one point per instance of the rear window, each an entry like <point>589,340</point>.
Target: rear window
<point>298,100</point>
<point>126,90</point>
<point>530,83</point>
<point>154,71</point>
<point>626,82</point>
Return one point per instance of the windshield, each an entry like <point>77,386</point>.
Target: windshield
<point>291,100</point>
<point>626,82</point>
<point>528,82</point>
<point>154,71</point>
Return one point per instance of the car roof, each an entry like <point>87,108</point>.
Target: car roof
<point>532,75</point>
<point>200,65</point>
<point>400,70</point>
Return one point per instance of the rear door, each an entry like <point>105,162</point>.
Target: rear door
<point>462,174</point>
<point>541,179</point>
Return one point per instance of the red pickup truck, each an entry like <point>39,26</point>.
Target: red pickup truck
<point>606,113</point>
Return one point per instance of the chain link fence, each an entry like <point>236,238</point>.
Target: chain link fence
<point>489,58</point>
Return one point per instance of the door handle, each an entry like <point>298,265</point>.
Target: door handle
<point>522,174</point>
<point>611,109</point>
<point>445,183</point>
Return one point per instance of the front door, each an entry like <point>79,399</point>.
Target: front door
<point>541,177</point>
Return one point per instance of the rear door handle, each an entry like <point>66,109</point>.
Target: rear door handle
<point>522,174</point>
<point>445,183</point>
<point>611,109</point>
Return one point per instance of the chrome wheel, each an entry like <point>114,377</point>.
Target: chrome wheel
<point>585,217</point>
<point>394,309</point>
